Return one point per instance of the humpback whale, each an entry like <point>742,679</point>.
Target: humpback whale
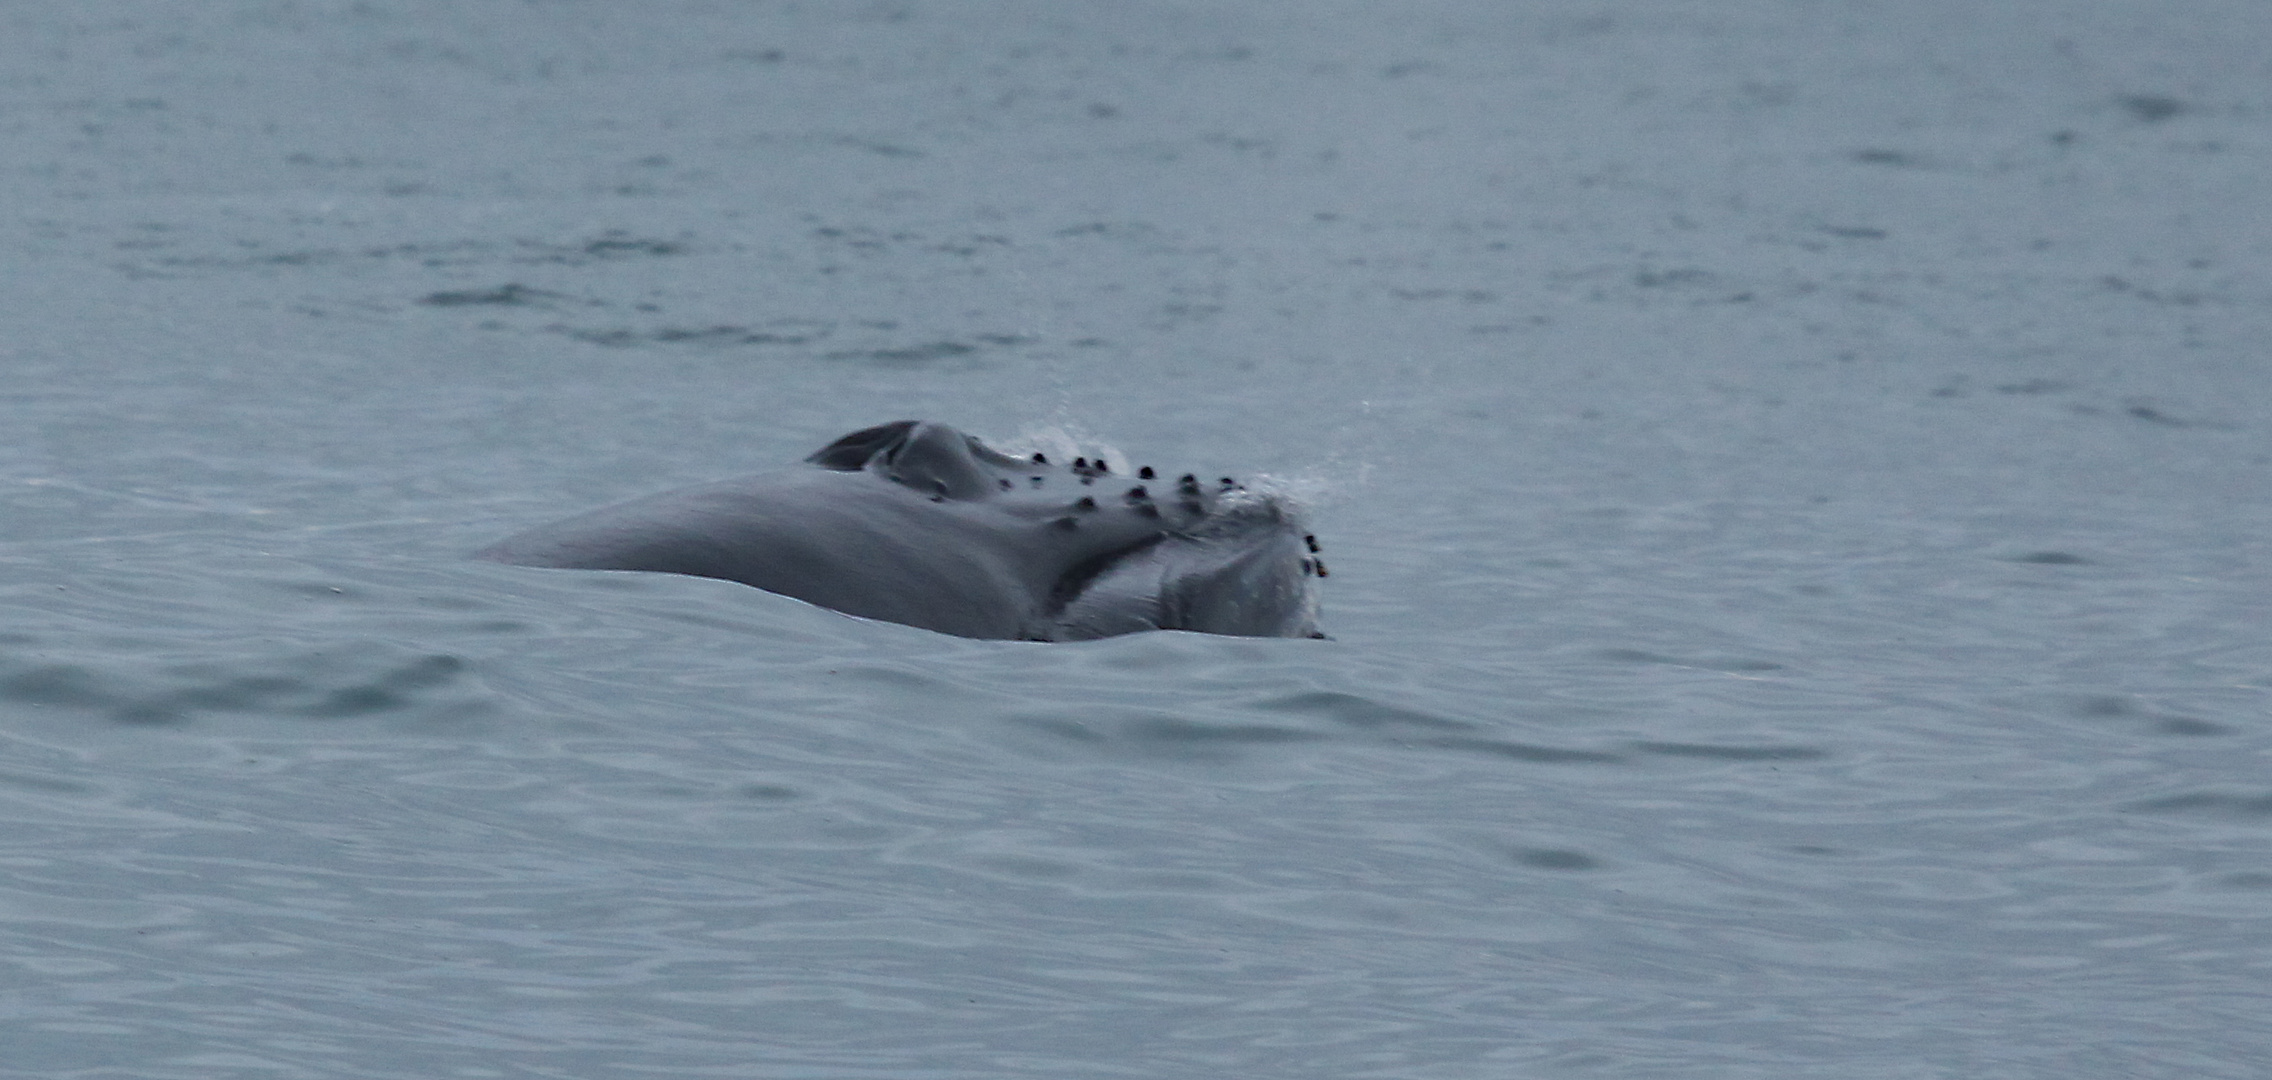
<point>918,523</point>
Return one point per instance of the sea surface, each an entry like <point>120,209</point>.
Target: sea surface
<point>1794,478</point>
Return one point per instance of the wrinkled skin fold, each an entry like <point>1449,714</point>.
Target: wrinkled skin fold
<point>918,523</point>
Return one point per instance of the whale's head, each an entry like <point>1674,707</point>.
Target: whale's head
<point>918,523</point>
<point>1120,551</point>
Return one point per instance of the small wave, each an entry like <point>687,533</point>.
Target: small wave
<point>343,681</point>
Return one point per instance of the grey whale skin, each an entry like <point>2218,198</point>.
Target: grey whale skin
<point>918,523</point>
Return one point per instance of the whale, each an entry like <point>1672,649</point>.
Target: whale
<point>917,523</point>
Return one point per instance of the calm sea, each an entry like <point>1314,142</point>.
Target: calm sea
<point>1793,477</point>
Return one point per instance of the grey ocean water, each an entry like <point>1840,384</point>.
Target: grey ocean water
<point>1794,477</point>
